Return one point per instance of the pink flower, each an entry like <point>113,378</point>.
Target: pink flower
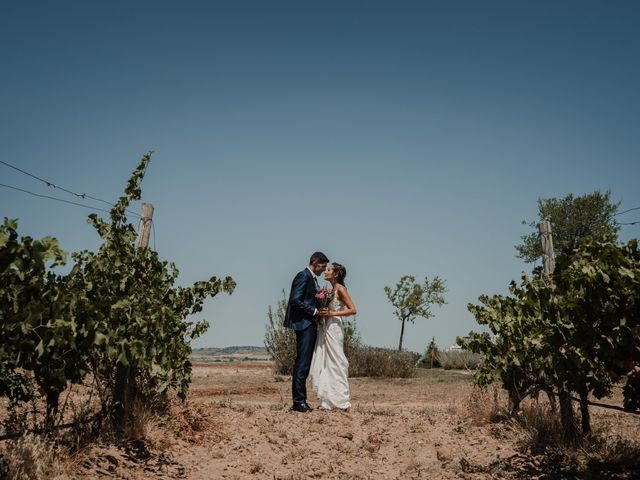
<point>324,297</point>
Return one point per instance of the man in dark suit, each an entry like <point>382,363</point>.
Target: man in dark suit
<point>301,317</point>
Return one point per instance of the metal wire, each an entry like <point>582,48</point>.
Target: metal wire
<point>66,190</point>
<point>90,207</point>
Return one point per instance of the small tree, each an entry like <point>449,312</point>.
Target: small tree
<point>412,300</point>
<point>117,316</point>
<point>142,339</point>
<point>577,333</point>
<point>432,355</point>
<point>575,220</point>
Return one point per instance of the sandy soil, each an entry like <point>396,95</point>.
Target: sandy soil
<point>238,425</point>
<point>397,428</point>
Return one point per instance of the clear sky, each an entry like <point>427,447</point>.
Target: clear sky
<point>397,137</point>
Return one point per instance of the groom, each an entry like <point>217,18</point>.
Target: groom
<point>300,316</point>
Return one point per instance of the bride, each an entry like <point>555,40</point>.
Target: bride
<point>329,367</point>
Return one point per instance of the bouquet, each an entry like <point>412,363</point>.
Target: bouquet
<point>324,297</point>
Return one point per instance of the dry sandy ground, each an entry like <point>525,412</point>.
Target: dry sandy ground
<point>397,428</point>
<point>239,426</point>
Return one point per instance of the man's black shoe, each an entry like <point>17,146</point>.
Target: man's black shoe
<point>300,407</point>
<point>308,406</point>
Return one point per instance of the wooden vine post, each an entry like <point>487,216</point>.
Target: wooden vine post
<point>549,264</point>
<point>546,240</point>
<point>124,389</point>
<point>144,231</point>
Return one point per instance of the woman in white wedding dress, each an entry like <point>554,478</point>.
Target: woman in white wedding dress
<point>329,367</point>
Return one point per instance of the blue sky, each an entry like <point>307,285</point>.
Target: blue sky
<point>397,137</point>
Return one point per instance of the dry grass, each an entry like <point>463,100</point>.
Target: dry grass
<point>144,420</point>
<point>256,467</point>
<point>481,406</point>
<point>603,453</point>
<point>603,447</point>
<point>382,362</point>
<point>194,424</point>
<point>34,457</point>
<point>373,442</point>
<point>459,360</point>
<point>160,429</point>
<point>541,427</point>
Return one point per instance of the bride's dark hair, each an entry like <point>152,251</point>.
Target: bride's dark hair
<point>339,272</point>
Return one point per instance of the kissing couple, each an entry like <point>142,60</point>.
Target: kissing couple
<point>319,335</point>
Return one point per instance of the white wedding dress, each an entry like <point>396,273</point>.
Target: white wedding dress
<point>329,366</point>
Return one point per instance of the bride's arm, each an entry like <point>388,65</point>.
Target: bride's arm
<point>344,297</point>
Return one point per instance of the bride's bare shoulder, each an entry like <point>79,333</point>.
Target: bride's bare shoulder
<point>341,289</point>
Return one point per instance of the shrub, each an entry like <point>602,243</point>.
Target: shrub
<point>352,341</point>
<point>115,316</point>
<point>382,362</point>
<point>460,360</point>
<point>431,358</point>
<point>280,341</point>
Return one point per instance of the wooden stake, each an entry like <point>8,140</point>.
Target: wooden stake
<point>549,264</point>
<point>125,385</point>
<point>548,257</point>
<point>144,231</point>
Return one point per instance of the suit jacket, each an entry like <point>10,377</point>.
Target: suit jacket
<point>302,301</point>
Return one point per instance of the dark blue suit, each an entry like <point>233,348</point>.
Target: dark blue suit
<point>300,317</point>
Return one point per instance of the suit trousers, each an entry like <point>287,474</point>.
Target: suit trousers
<point>305,343</point>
